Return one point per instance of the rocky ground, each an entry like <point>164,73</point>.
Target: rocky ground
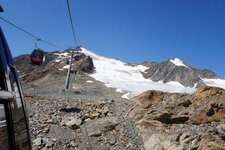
<point>87,116</point>
<point>91,116</point>
<point>180,121</point>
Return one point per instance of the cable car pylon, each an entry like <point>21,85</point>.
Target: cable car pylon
<point>72,52</point>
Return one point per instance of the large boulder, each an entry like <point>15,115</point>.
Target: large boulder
<point>181,121</point>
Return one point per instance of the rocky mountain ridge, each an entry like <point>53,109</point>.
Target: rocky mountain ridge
<point>172,75</point>
<point>169,71</point>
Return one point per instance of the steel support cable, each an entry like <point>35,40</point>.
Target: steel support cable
<point>71,22</point>
<point>30,34</point>
<point>53,45</point>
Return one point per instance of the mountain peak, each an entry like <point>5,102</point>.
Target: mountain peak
<point>178,62</point>
<point>177,70</point>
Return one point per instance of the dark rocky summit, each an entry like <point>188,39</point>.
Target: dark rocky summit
<point>167,71</point>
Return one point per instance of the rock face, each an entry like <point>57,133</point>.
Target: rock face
<point>181,121</point>
<point>169,71</point>
<point>55,63</point>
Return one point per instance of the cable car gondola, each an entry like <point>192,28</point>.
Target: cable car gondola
<point>37,56</point>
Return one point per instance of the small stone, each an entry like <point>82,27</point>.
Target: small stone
<point>88,104</point>
<point>73,122</point>
<point>39,135</point>
<point>54,139</point>
<point>73,144</point>
<point>44,148</point>
<point>99,139</point>
<point>95,134</point>
<point>49,121</point>
<point>112,141</point>
<point>92,115</point>
<point>88,119</point>
<point>62,124</point>
<point>44,141</point>
<point>46,130</point>
<point>221,129</point>
<point>37,142</point>
<point>105,110</point>
<point>49,144</point>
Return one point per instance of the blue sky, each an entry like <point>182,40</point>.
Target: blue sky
<point>130,30</point>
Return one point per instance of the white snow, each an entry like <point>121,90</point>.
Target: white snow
<point>116,74</point>
<point>126,96</point>
<point>214,82</point>
<point>66,67</point>
<point>57,54</point>
<point>178,62</point>
<point>61,57</point>
<point>195,85</point>
<point>64,54</point>
<point>120,90</point>
<point>89,81</point>
<point>174,83</point>
<point>58,60</point>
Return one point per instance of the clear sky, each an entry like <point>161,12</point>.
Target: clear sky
<point>130,30</point>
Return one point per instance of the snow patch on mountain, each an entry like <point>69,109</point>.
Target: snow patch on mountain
<point>89,81</point>
<point>214,82</point>
<point>117,74</point>
<point>126,96</point>
<point>178,62</point>
<point>66,67</point>
<point>58,60</point>
<point>174,83</point>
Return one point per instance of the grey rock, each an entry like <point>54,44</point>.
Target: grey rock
<point>112,141</point>
<point>72,122</point>
<point>49,144</point>
<point>37,142</point>
<point>168,71</point>
<point>221,129</point>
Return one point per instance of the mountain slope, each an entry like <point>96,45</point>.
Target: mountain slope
<point>172,76</point>
<point>127,78</point>
<point>55,63</point>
